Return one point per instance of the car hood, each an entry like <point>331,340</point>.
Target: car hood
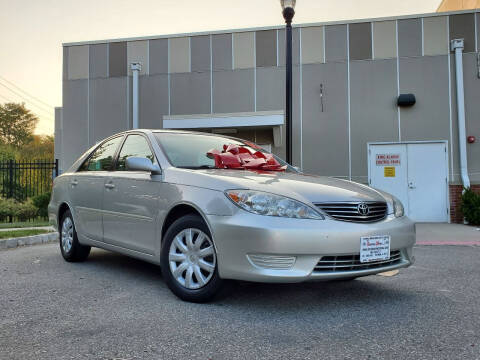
<point>299,186</point>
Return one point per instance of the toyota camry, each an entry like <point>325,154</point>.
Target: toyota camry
<point>208,208</point>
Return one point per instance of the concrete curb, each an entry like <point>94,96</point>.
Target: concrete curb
<point>28,240</point>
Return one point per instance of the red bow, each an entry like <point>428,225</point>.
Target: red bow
<point>239,157</point>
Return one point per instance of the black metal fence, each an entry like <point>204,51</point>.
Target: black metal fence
<point>24,179</point>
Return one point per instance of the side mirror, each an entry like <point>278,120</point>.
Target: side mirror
<point>142,164</point>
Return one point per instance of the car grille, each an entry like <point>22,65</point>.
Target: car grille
<point>274,262</point>
<point>329,264</point>
<point>349,211</point>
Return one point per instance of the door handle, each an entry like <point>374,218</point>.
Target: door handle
<point>110,186</point>
<point>74,182</point>
<point>411,185</point>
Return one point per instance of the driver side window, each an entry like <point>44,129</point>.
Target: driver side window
<point>137,146</point>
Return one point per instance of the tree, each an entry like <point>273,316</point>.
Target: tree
<point>17,124</point>
<point>39,147</point>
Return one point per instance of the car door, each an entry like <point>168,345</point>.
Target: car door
<point>131,200</point>
<point>86,189</point>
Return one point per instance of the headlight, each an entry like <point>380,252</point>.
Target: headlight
<point>271,205</point>
<point>397,207</point>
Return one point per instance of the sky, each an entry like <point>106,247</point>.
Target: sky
<point>32,32</point>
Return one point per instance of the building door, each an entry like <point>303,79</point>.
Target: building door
<point>416,173</point>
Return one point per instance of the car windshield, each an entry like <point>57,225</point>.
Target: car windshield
<point>190,150</point>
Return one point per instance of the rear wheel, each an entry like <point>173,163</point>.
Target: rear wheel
<point>71,249</point>
<point>189,260</point>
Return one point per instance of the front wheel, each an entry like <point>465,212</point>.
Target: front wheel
<point>189,260</point>
<point>71,249</point>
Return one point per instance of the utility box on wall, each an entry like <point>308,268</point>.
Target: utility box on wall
<point>416,173</point>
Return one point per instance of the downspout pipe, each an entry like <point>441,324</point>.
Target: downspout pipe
<point>457,46</point>
<point>135,67</point>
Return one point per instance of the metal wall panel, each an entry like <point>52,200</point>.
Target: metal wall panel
<point>233,91</point>
<point>472,115</point>
<point>153,102</point>
<point>98,61</point>
<point>78,62</point>
<point>409,37</point>
<point>266,47</point>
<point>336,42</point>
<point>435,35</point>
<point>244,50</point>
<point>427,78</point>
<point>65,63</point>
<point>270,88</point>
<point>189,93</point>
<point>179,55</point>
<point>200,47</point>
<point>462,26</point>
<point>108,107</point>
<point>75,117</point>
<point>360,41</point>
<point>312,45</point>
<point>325,133</point>
<point>222,51</point>
<point>137,51</point>
<point>373,112</point>
<point>295,46</point>
<point>117,59</point>
<point>384,39</point>
<point>158,58</point>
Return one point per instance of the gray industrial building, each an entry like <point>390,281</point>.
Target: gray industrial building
<point>347,77</point>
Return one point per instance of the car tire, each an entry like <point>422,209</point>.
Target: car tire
<point>188,260</point>
<point>72,250</point>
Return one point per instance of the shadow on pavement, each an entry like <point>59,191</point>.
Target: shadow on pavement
<point>362,293</point>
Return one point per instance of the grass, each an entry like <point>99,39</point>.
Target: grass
<point>21,233</point>
<point>24,224</point>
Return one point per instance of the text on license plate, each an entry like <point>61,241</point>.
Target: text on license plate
<point>374,248</point>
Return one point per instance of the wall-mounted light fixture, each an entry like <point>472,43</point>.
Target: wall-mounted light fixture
<point>405,100</point>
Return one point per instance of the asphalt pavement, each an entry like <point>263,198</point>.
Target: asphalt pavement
<point>115,307</point>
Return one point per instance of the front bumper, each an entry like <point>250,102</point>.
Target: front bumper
<point>244,236</point>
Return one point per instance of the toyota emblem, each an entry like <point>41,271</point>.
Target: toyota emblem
<point>363,209</point>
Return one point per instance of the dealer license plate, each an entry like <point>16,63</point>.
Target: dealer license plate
<point>374,248</point>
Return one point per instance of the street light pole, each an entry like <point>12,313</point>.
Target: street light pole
<point>288,13</point>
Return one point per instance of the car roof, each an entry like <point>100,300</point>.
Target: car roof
<point>170,131</point>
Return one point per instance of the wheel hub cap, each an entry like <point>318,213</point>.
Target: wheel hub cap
<point>67,235</point>
<point>192,258</point>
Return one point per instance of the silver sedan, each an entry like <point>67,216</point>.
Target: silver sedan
<point>208,208</point>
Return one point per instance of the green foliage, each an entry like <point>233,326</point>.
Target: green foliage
<point>17,124</point>
<point>39,147</point>
<point>14,209</point>
<point>471,206</point>
<point>25,211</point>
<point>7,152</point>
<point>41,203</point>
<point>21,233</point>
<point>23,224</point>
<point>7,208</point>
